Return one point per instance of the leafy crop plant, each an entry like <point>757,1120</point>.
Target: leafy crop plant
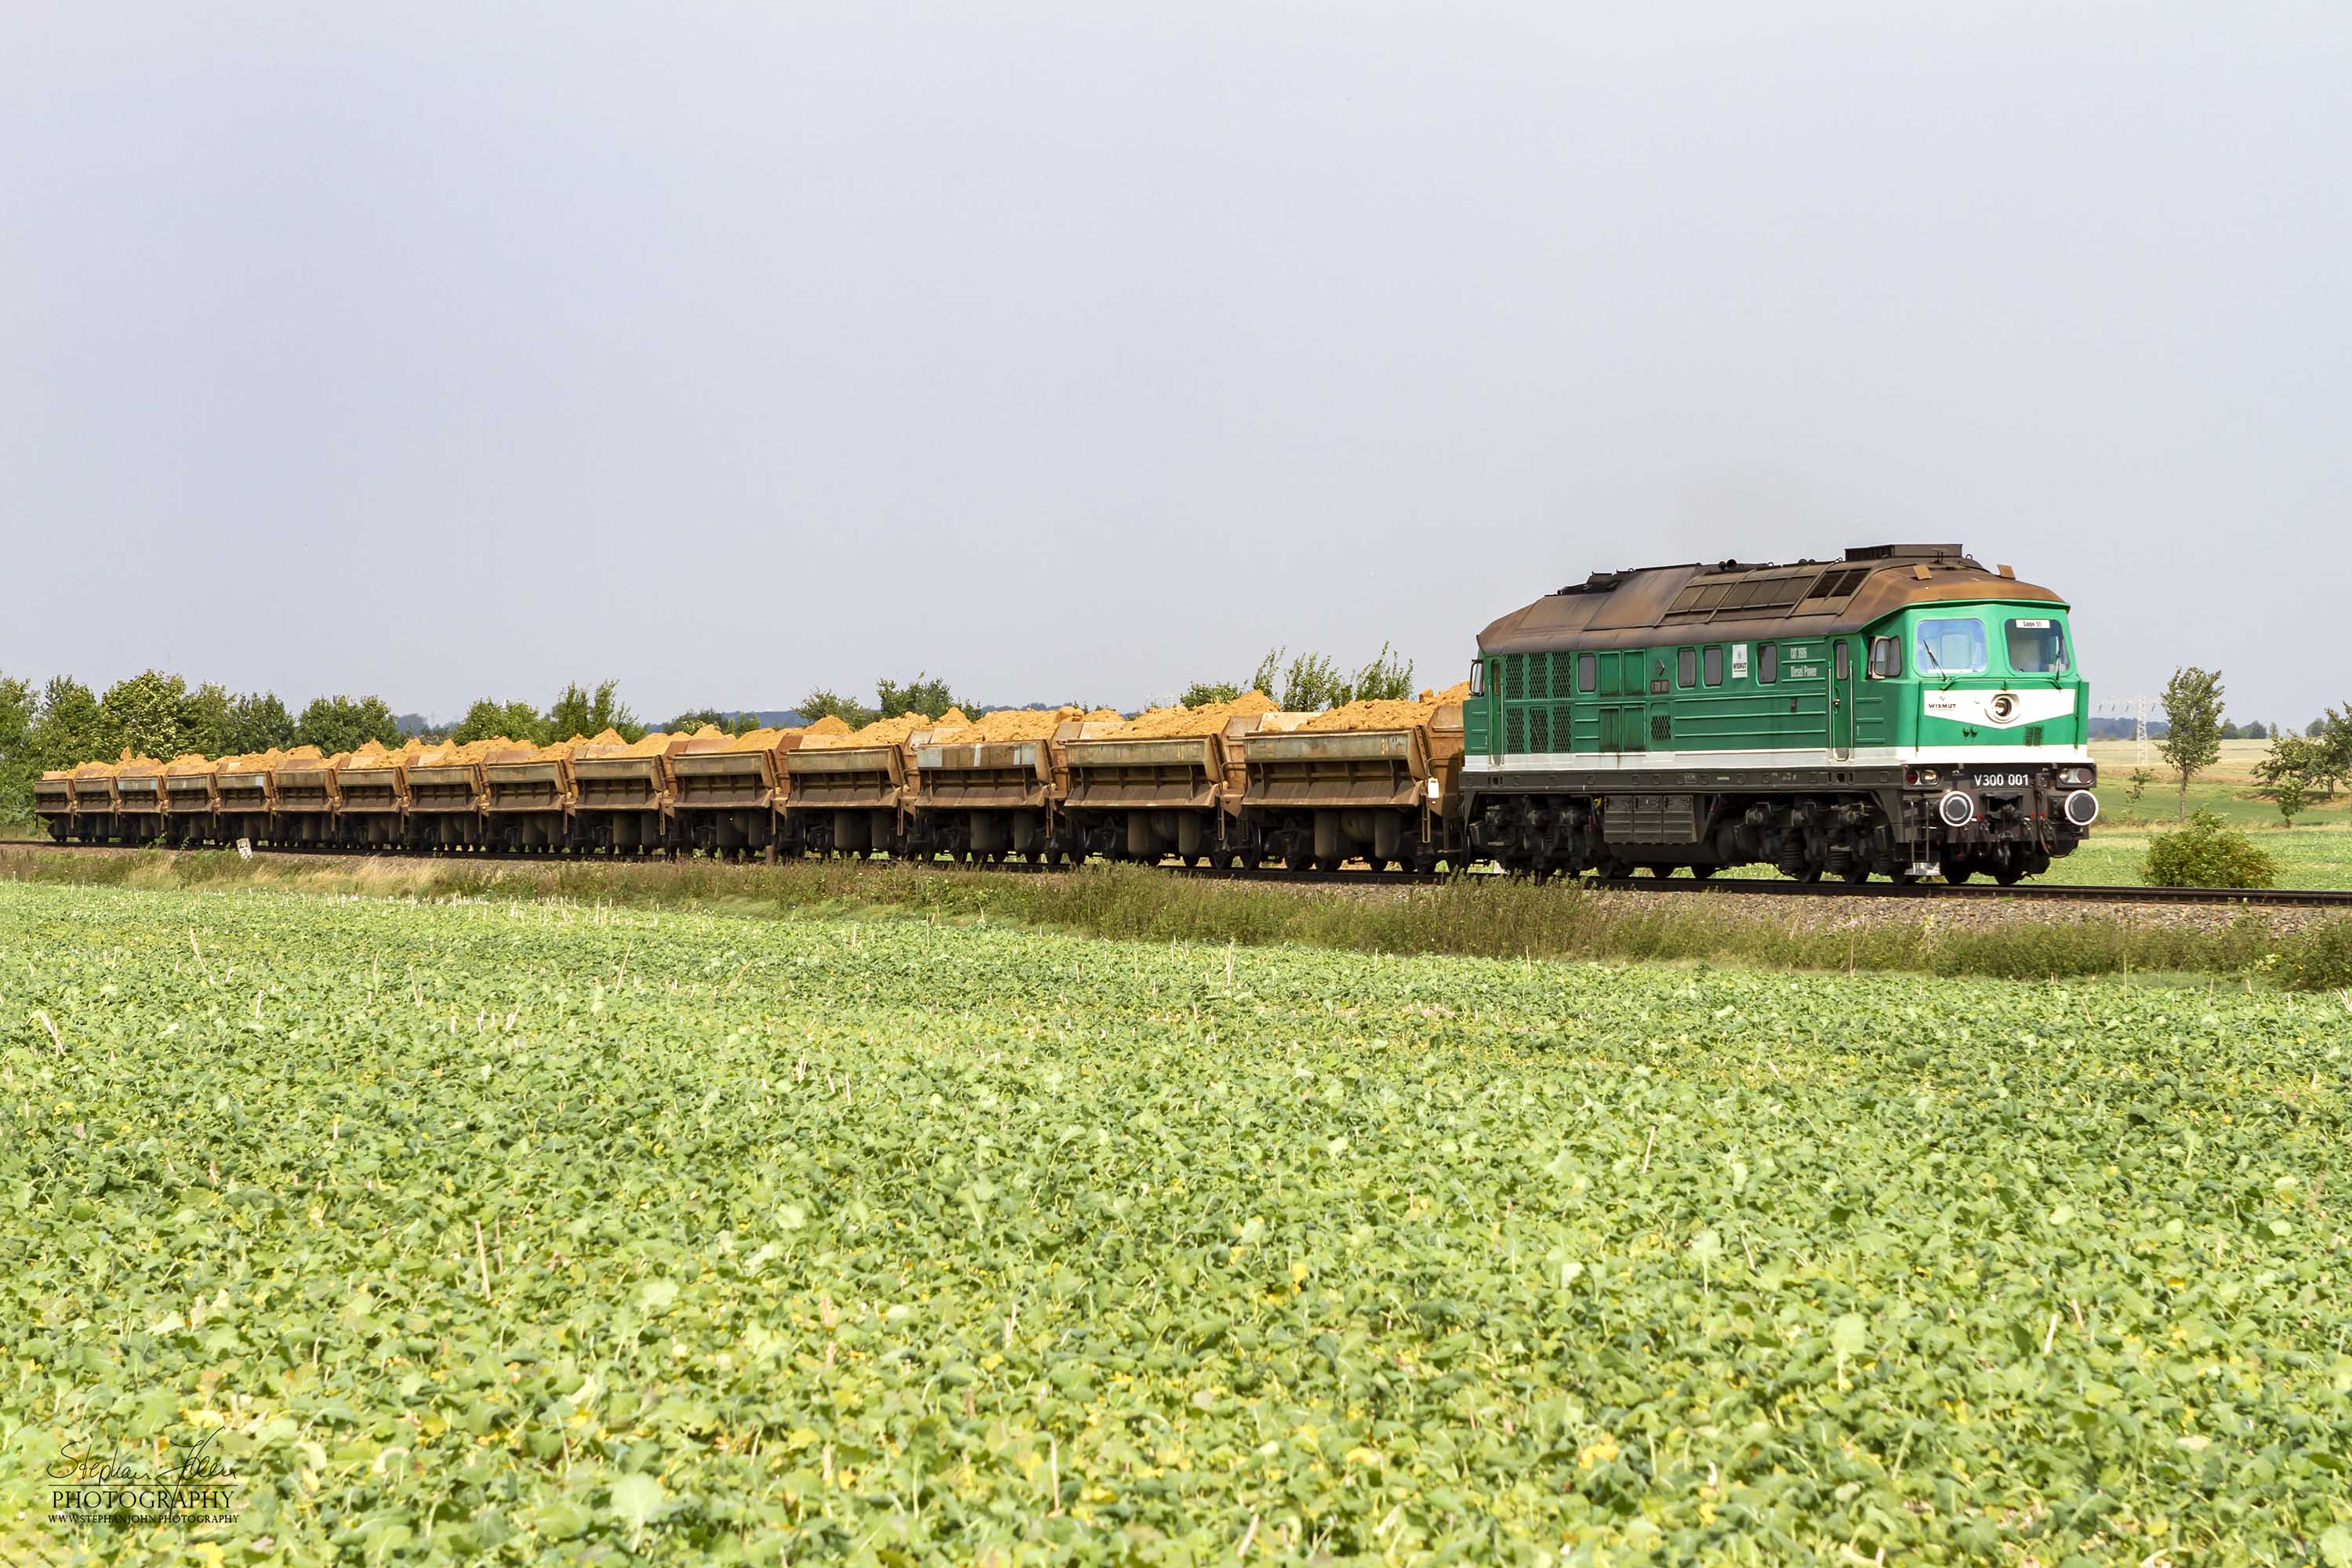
<point>535,1233</point>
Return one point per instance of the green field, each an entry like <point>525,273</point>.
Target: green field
<point>2227,789</point>
<point>545,1233</point>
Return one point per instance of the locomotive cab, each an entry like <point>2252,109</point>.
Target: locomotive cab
<point>1983,705</point>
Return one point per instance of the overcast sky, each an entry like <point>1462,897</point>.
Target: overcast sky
<point>1077,352</point>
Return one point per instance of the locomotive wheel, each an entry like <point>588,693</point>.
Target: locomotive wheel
<point>1811,873</point>
<point>1703,872</point>
<point>1956,874</point>
<point>1854,876</point>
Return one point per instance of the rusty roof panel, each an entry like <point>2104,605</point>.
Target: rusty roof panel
<point>1737,601</point>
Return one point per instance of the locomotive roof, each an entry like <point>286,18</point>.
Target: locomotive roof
<point>1735,601</point>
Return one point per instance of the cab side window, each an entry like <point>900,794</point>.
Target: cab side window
<point>1885,658</point>
<point>1686,668</point>
<point>1845,659</point>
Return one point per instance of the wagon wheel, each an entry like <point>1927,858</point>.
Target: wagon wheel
<point>2008,873</point>
<point>1956,874</point>
<point>1703,872</point>
<point>1811,873</point>
<point>1855,875</point>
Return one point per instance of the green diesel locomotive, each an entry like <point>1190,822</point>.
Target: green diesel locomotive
<point>1903,711</point>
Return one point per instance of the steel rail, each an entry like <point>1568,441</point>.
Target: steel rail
<point>1733,887</point>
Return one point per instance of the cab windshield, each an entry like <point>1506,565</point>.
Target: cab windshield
<point>2037,646</point>
<point>1951,647</point>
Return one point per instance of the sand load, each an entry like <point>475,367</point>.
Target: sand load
<point>1209,719</point>
<point>1007,725</point>
<point>893,732</point>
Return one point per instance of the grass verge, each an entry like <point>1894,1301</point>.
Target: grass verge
<point>1481,918</point>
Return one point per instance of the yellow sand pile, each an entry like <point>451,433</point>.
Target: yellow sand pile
<point>448,755</point>
<point>652,744</point>
<point>248,762</point>
<point>831,724</point>
<point>101,770</point>
<point>301,759</point>
<point>881,733</point>
<point>1008,725</point>
<point>137,767</point>
<point>1457,692</point>
<point>756,740</point>
<point>1374,715</point>
<point>1206,719</point>
<point>188,763</point>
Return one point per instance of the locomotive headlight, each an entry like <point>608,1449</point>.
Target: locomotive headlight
<point>1919,775</point>
<point>2081,809</point>
<point>2075,777</point>
<point>1956,809</point>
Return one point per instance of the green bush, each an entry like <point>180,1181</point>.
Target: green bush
<point>2202,853</point>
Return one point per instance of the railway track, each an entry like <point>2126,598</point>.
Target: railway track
<point>1730,887</point>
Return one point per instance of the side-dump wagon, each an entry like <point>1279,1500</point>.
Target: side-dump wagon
<point>527,797</point>
<point>445,800</point>
<point>139,801</point>
<point>189,802</point>
<point>303,782</point>
<point>1144,798</point>
<point>725,792</point>
<point>374,789</point>
<point>1319,797</point>
<point>977,800</point>
<point>53,803</point>
<point>849,800</point>
<point>243,797</point>
<point>625,797</point>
